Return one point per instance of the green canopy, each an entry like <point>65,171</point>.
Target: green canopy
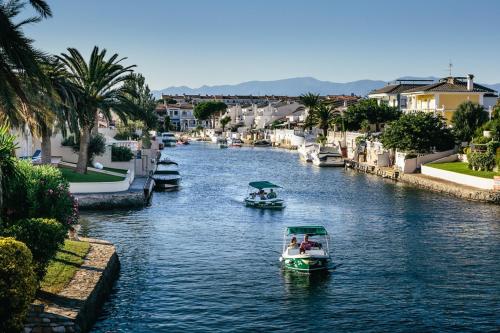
<point>263,184</point>
<point>306,230</point>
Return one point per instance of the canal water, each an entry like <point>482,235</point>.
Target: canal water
<point>198,260</point>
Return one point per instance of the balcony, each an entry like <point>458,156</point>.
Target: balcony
<point>435,111</point>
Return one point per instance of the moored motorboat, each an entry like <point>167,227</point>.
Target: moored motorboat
<point>263,199</point>
<point>327,157</point>
<point>234,142</point>
<point>222,143</point>
<point>168,139</point>
<point>166,176</point>
<point>312,254</point>
<point>262,143</point>
<point>306,150</point>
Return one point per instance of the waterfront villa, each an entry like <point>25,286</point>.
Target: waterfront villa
<point>445,96</point>
<point>391,94</point>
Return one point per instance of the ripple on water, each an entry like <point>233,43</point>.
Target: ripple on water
<point>198,260</point>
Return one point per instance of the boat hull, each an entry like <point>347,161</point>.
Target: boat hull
<point>319,163</point>
<point>265,204</point>
<point>306,265</point>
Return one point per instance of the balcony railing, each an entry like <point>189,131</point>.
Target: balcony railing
<point>436,111</point>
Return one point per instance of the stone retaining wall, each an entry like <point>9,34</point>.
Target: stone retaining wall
<point>457,190</point>
<point>76,307</point>
<point>111,200</point>
<point>430,183</point>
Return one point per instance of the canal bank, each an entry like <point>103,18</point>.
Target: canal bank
<point>198,260</point>
<point>429,183</point>
<point>76,307</point>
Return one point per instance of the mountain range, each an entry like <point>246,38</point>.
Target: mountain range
<point>289,87</point>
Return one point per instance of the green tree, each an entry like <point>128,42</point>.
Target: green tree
<point>418,132</point>
<point>99,87</point>
<point>17,55</point>
<point>467,119</point>
<point>323,116</point>
<point>209,110</point>
<point>310,101</point>
<point>48,105</point>
<point>368,110</point>
<point>224,121</point>
<point>140,101</point>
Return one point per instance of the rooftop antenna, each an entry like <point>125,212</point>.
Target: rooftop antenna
<point>450,66</point>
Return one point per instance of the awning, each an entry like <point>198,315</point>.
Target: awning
<point>306,230</point>
<point>263,184</point>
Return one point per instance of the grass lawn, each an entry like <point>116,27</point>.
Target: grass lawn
<point>122,171</point>
<point>90,176</point>
<point>63,267</point>
<point>461,167</point>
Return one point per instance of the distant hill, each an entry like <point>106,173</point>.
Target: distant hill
<point>290,87</point>
<point>285,87</point>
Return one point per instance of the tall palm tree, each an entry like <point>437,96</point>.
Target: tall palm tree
<point>311,102</point>
<point>49,105</point>
<point>324,117</point>
<point>99,87</point>
<point>17,54</point>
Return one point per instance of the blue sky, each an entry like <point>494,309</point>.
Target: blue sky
<point>196,42</point>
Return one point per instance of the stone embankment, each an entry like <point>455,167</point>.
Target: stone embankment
<point>76,307</point>
<point>137,196</point>
<point>429,183</point>
<point>457,190</point>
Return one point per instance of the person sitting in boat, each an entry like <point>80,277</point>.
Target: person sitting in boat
<point>262,194</point>
<point>293,243</point>
<point>271,194</point>
<point>306,244</point>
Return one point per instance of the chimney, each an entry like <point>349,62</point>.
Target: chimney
<point>470,82</point>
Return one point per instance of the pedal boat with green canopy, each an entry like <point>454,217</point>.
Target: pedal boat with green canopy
<point>263,199</point>
<point>314,257</point>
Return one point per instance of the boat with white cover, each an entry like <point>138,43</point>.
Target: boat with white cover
<point>327,157</point>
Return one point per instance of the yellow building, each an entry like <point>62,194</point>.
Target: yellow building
<point>445,96</point>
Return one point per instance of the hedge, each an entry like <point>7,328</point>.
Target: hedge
<point>121,154</point>
<point>42,236</point>
<point>17,284</point>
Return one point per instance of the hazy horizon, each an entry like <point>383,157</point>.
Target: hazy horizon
<point>194,43</point>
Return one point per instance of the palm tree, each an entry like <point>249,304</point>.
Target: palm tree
<point>324,117</point>
<point>224,121</point>
<point>49,105</point>
<point>17,55</point>
<point>98,88</point>
<point>311,102</point>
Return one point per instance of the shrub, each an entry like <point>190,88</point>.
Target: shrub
<point>17,284</point>
<point>97,146</point>
<point>69,141</point>
<point>39,191</point>
<point>121,154</point>
<point>42,236</point>
<point>484,160</point>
